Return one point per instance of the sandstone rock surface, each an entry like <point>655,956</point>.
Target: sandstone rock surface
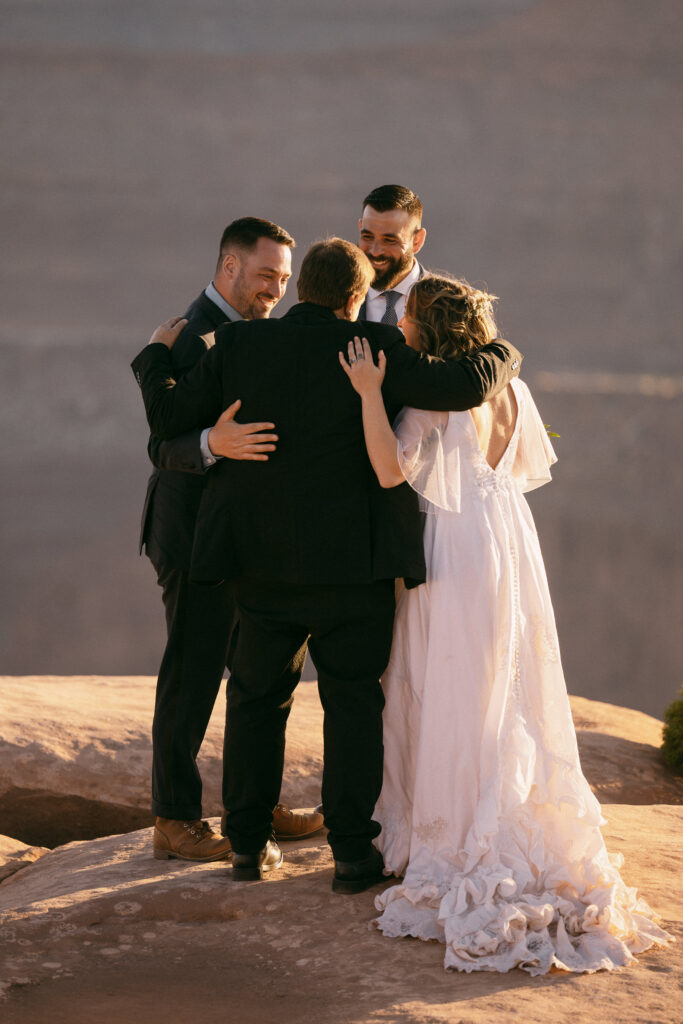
<point>100,931</point>
<point>75,755</point>
<point>15,855</point>
<point>76,751</point>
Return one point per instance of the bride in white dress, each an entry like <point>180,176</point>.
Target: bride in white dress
<point>484,809</point>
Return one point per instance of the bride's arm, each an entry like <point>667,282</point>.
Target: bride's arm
<point>380,441</point>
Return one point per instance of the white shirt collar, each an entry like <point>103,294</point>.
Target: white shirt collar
<point>403,286</point>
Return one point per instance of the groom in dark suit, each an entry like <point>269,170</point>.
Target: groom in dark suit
<point>309,540</point>
<point>253,268</point>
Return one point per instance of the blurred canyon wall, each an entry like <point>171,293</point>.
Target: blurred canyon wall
<point>545,141</point>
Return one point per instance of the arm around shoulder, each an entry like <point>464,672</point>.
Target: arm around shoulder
<point>451,385</point>
<point>174,407</point>
<point>496,364</point>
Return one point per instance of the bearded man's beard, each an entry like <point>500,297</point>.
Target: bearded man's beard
<point>395,272</point>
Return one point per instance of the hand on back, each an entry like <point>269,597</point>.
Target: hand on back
<point>235,440</point>
<point>361,370</point>
<point>166,333</point>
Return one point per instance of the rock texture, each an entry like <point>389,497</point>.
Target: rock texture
<point>621,756</point>
<point>15,855</point>
<point>75,755</point>
<point>100,931</point>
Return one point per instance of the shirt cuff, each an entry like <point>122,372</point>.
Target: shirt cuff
<point>208,458</point>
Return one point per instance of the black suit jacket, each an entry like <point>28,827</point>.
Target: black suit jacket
<point>314,513</point>
<point>175,488</point>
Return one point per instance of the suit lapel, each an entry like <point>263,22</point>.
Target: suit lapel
<point>210,312</point>
<point>213,313</point>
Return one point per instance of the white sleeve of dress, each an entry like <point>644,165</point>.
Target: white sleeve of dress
<point>535,453</point>
<point>430,464</point>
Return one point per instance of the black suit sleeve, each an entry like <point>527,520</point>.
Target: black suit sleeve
<point>424,382</point>
<point>174,407</point>
<point>188,349</point>
<point>181,454</point>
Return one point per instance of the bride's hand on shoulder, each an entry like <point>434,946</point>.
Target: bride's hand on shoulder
<point>167,332</point>
<point>364,374</point>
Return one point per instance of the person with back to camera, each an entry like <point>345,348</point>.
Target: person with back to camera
<point>484,809</point>
<point>310,542</point>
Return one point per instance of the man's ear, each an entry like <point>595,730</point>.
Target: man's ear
<point>419,239</point>
<point>230,264</point>
<point>353,305</point>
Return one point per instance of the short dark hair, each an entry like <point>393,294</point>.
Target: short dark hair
<point>245,232</point>
<point>332,271</point>
<point>395,197</point>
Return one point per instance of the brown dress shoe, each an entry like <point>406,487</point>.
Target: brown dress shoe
<point>188,840</point>
<point>295,824</point>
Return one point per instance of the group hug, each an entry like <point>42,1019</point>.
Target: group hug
<point>348,480</point>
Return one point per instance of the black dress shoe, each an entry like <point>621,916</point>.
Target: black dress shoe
<point>249,867</point>
<point>357,875</point>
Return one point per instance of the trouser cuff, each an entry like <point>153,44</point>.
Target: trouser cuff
<point>176,813</point>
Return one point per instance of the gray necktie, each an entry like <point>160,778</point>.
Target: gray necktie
<point>390,312</point>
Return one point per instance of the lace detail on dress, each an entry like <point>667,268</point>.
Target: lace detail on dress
<point>487,480</point>
<point>394,841</point>
<point>431,831</point>
<point>545,642</point>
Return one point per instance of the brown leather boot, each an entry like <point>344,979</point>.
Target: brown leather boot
<point>188,840</point>
<point>289,824</point>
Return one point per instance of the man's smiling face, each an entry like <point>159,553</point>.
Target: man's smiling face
<point>390,240</point>
<point>257,279</point>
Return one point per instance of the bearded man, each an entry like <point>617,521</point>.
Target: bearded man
<point>391,236</point>
<point>251,275</point>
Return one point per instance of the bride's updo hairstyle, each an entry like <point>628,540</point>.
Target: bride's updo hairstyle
<point>453,319</point>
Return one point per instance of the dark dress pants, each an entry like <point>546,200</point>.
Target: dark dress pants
<point>200,621</point>
<point>348,630</point>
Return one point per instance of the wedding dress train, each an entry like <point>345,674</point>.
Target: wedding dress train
<point>484,808</point>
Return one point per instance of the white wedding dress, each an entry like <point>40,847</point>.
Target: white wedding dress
<point>484,808</point>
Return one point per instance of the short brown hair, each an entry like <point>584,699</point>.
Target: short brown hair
<point>395,197</point>
<point>452,318</point>
<point>245,232</point>
<point>332,271</point>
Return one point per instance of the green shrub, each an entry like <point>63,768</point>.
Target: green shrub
<point>672,747</point>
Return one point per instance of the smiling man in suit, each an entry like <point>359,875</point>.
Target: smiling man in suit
<point>391,236</point>
<point>253,268</point>
<point>309,540</point>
